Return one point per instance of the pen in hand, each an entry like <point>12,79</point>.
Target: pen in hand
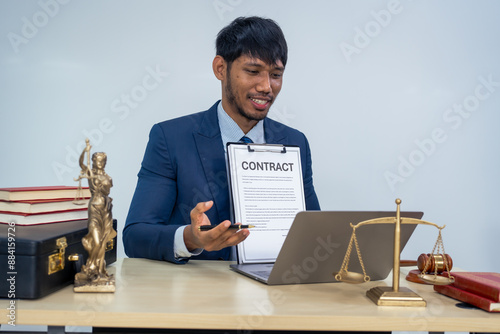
<point>231,227</point>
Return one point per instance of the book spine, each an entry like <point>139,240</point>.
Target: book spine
<point>468,297</point>
<point>477,287</point>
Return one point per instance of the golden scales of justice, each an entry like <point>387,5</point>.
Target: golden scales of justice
<point>396,295</point>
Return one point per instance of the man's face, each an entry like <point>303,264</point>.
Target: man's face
<point>251,87</point>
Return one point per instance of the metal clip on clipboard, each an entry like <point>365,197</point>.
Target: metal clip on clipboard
<point>266,148</point>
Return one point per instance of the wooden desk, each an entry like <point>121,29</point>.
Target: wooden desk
<point>207,295</point>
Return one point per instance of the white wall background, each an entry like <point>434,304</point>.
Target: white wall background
<point>409,89</point>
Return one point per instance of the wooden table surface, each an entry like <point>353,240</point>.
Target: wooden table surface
<point>208,295</point>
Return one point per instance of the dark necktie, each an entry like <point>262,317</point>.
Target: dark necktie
<point>245,139</point>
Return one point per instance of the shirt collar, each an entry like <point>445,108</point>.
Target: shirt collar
<point>231,132</point>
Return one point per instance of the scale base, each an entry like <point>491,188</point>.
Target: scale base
<point>385,296</point>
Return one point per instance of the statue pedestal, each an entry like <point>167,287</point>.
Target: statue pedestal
<point>102,285</point>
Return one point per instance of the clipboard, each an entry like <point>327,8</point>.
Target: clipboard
<point>267,191</point>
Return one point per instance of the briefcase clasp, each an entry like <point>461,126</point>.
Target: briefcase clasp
<point>57,261</point>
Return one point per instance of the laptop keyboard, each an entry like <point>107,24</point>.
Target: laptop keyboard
<point>261,273</point>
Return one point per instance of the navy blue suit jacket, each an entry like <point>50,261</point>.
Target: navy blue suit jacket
<point>184,164</point>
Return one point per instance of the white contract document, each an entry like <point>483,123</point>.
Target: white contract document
<point>266,191</point>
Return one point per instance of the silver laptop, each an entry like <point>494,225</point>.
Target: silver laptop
<point>317,242</point>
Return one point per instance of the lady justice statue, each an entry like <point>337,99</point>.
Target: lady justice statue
<point>93,276</point>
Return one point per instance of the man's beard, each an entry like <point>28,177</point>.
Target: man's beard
<point>231,98</point>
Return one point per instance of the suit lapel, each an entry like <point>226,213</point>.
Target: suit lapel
<point>209,145</point>
<point>273,132</point>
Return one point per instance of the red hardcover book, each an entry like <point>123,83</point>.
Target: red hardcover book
<point>468,297</point>
<point>31,193</point>
<point>480,283</point>
<point>42,218</point>
<point>43,205</point>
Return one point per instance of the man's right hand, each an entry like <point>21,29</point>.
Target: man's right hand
<point>217,238</point>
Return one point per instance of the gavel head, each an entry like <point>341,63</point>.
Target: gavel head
<point>433,263</point>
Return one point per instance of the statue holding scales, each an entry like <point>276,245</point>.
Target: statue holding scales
<point>93,276</point>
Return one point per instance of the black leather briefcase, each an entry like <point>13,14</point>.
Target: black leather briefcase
<point>34,261</point>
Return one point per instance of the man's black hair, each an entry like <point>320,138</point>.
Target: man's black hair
<point>253,36</point>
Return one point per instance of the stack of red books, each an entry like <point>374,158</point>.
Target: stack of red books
<point>42,205</point>
<point>481,289</point>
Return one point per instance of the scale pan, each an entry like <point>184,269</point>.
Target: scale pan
<point>436,280</point>
<point>351,277</point>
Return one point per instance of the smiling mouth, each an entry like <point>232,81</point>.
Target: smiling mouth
<point>259,102</point>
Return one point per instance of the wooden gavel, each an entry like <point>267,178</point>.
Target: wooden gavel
<point>437,263</point>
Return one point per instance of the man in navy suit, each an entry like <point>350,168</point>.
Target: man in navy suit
<point>183,180</point>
